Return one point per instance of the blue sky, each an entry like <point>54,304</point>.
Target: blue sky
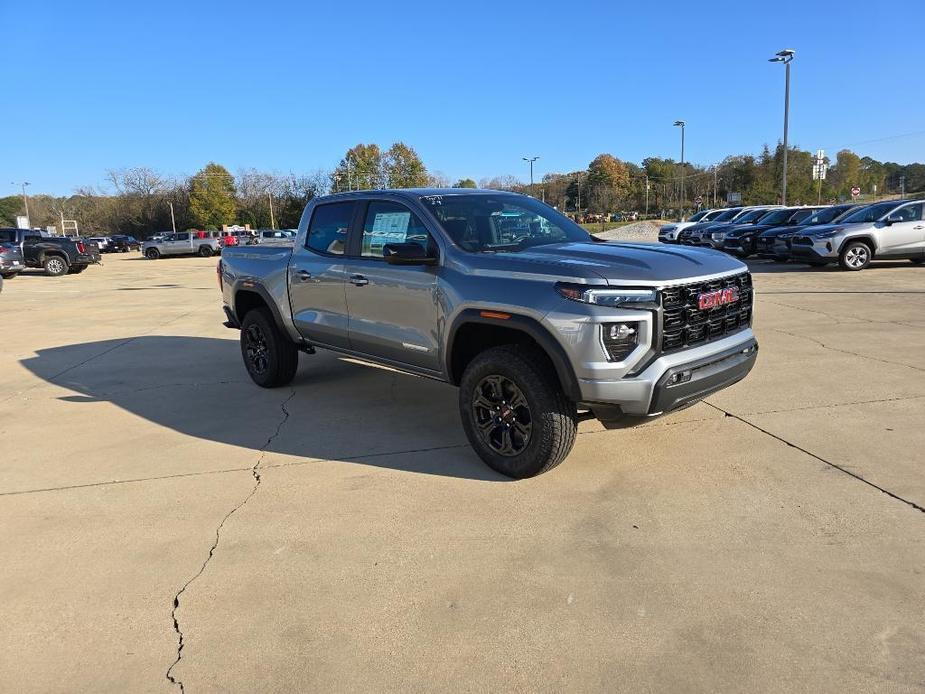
<point>289,86</point>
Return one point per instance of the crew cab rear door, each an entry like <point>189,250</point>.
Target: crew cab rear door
<point>393,308</point>
<point>317,274</point>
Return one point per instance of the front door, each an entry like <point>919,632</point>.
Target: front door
<point>317,275</point>
<point>176,244</point>
<point>393,308</point>
<point>905,237</point>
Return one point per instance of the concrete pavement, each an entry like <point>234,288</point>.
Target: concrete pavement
<point>339,535</point>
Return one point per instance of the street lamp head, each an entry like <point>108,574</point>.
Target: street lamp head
<point>786,53</point>
<point>680,123</point>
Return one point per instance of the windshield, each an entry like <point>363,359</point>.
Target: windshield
<point>713,215</point>
<point>827,215</point>
<point>777,217</point>
<point>871,213</point>
<point>727,215</point>
<point>750,216</point>
<point>7,236</point>
<point>697,217</point>
<point>488,223</point>
<point>800,216</point>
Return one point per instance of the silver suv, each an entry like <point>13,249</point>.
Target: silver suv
<point>892,230</point>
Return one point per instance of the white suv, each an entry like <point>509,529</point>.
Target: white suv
<point>668,233</point>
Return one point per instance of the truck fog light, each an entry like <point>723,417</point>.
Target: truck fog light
<point>679,377</point>
<point>620,339</point>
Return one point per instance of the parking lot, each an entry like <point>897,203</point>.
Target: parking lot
<point>166,522</point>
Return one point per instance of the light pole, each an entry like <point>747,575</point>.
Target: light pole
<point>25,200</point>
<point>681,124</point>
<point>531,160</point>
<point>173,221</point>
<point>785,56</point>
<point>272,218</point>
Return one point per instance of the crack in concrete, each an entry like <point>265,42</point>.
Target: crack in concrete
<point>845,351</point>
<point>255,471</point>
<point>836,466</point>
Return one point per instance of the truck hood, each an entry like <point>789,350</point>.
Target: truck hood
<point>622,263</point>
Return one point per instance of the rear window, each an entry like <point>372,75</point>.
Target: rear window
<point>7,236</point>
<point>327,232</point>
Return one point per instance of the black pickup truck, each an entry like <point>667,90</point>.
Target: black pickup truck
<point>55,254</point>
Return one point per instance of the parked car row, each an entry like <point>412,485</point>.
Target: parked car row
<point>850,235</point>
<point>117,243</point>
<point>57,255</point>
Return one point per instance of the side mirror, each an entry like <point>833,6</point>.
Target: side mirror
<point>892,219</point>
<point>407,254</point>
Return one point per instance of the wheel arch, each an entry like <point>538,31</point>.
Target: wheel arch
<point>248,295</point>
<point>866,240</point>
<point>473,332</point>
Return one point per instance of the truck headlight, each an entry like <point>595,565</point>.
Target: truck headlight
<point>828,234</point>
<point>620,339</point>
<point>624,298</point>
<point>718,236</point>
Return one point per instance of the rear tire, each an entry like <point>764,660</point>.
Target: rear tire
<point>270,357</point>
<point>855,256</point>
<point>55,266</point>
<point>152,254</point>
<point>8,275</point>
<point>514,412</point>
<point>205,251</point>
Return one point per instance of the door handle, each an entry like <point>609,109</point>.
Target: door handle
<point>919,227</point>
<point>304,275</point>
<point>358,280</point>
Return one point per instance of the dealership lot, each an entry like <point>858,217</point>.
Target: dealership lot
<point>341,534</point>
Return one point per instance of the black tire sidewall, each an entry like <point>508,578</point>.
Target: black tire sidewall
<point>548,409</point>
<point>281,352</point>
<point>152,254</point>
<point>205,251</point>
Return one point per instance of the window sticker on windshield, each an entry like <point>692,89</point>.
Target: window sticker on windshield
<point>433,199</point>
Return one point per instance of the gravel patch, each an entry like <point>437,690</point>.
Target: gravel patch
<point>637,231</point>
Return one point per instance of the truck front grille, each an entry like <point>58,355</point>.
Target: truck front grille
<point>684,324</point>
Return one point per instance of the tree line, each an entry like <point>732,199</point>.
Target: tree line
<point>141,201</point>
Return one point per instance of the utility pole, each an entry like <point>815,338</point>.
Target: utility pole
<point>578,209</point>
<point>173,221</point>
<point>272,218</point>
<point>714,185</point>
<point>25,199</point>
<point>531,160</point>
<point>681,124</point>
<point>902,187</point>
<point>785,56</point>
<point>647,196</point>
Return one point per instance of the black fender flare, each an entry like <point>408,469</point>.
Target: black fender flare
<point>527,325</point>
<point>254,287</point>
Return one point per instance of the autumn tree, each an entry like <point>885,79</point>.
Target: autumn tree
<point>403,167</point>
<point>465,183</point>
<point>212,197</point>
<point>360,169</point>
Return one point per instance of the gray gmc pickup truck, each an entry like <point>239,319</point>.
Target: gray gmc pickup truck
<point>537,322</point>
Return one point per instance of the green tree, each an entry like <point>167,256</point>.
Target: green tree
<point>360,169</point>
<point>465,183</point>
<point>9,208</point>
<point>403,167</point>
<point>846,173</point>
<point>212,197</point>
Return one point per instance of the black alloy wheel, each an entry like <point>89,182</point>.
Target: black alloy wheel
<point>502,415</point>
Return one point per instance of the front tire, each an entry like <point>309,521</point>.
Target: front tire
<point>855,256</point>
<point>271,359</point>
<point>8,275</point>
<point>152,254</point>
<point>55,266</point>
<point>514,413</point>
<point>205,251</point>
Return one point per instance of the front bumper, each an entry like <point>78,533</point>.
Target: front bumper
<point>712,367</point>
<point>817,250</point>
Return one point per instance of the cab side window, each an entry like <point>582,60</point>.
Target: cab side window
<point>391,222</point>
<point>328,229</point>
<point>183,237</point>
<point>909,213</point>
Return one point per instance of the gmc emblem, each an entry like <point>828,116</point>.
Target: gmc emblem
<point>720,297</point>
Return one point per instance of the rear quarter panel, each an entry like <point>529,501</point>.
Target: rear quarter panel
<point>263,269</point>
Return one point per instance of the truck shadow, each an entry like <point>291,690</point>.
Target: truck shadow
<point>336,409</point>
